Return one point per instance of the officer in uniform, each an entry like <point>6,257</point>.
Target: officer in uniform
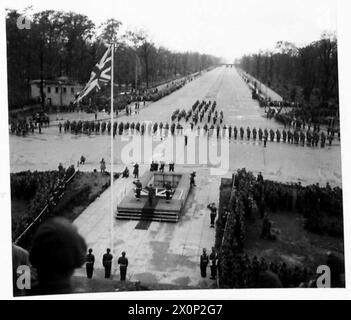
<point>168,191</point>
<point>241,133</point>
<point>192,179</point>
<point>254,133</point>
<point>125,173</point>
<point>203,263</point>
<point>271,133</point>
<point>213,265</point>
<point>136,171</point>
<point>278,135</point>
<point>284,135</point>
<point>123,264</point>
<point>138,188</point>
<point>151,194</point>
<point>323,138</point>
<point>213,213</point>
<point>302,138</point>
<point>102,166</point>
<point>90,259</point>
<point>235,132</point>
<point>107,263</point>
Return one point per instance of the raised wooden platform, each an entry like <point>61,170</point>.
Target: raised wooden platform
<point>161,210</point>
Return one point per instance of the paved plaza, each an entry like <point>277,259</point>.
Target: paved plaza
<point>170,252</point>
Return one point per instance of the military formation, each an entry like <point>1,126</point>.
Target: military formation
<point>255,197</point>
<point>206,112</point>
<point>259,273</point>
<point>22,127</point>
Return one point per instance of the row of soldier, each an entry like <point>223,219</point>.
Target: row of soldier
<point>286,136</point>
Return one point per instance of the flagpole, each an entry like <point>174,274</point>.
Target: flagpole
<point>111,148</point>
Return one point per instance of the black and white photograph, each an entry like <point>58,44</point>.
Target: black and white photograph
<point>173,145</point>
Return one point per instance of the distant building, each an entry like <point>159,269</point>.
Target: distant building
<point>59,92</point>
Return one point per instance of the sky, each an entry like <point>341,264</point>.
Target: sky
<point>224,28</point>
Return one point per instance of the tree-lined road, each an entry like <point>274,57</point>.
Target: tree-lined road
<point>278,160</point>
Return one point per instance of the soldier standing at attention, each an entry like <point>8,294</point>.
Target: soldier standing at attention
<point>151,194</point>
<point>138,188</point>
<point>136,171</point>
<point>254,133</point>
<point>107,263</point>
<point>192,179</point>
<point>203,263</point>
<point>171,166</point>
<point>90,259</point>
<point>102,166</point>
<point>213,266</point>
<point>123,264</point>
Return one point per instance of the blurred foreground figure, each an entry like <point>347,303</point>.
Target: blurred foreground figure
<point>57,250</point>
<point>20,257</point>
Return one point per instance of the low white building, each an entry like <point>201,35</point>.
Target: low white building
<point>60,92</point>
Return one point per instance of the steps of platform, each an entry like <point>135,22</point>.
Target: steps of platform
<point>147,217</point>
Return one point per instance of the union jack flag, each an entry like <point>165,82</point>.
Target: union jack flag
<point>100,76</point>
